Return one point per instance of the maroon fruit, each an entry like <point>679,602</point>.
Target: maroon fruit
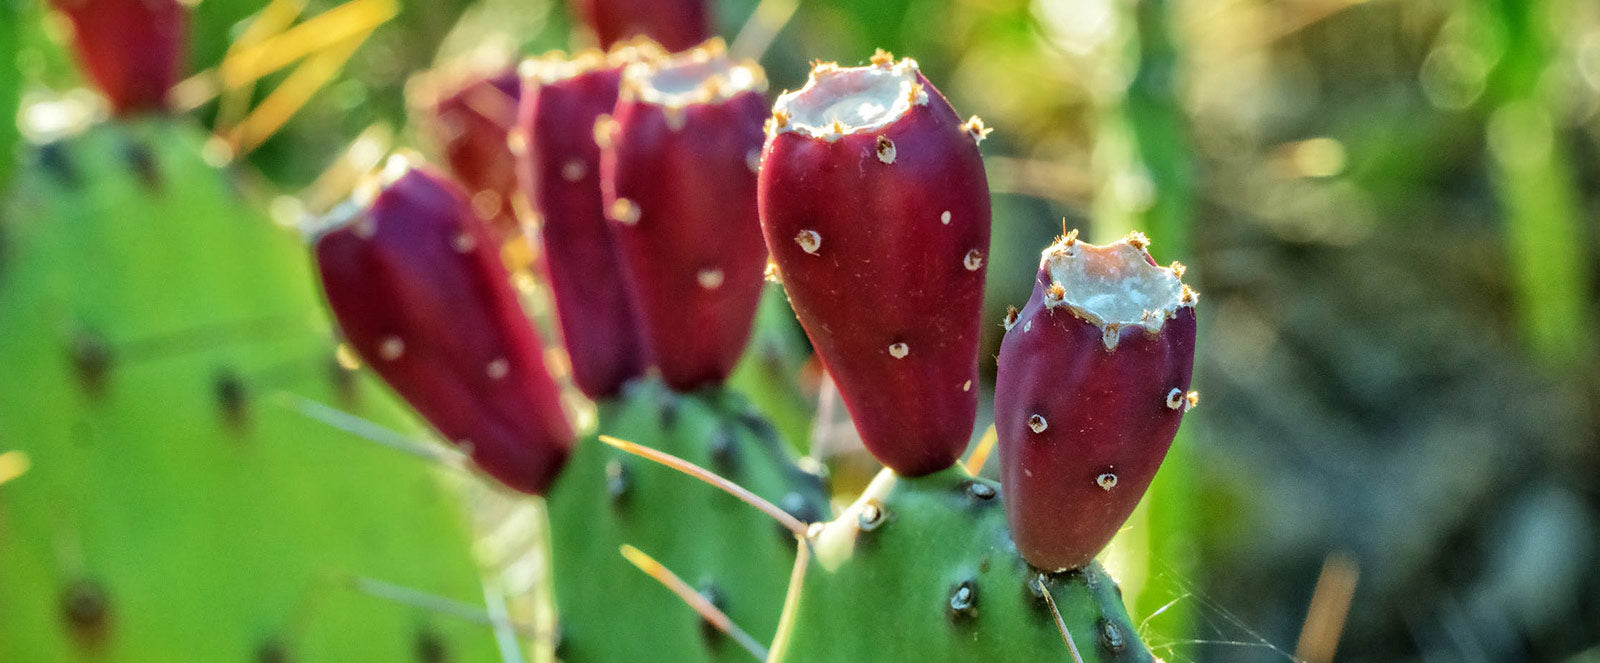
<point>679,173</point>
<point>133,49</point>
<point>876,211</point>
<point>559,167</point>
<point>1093,381</point>
<point>675,24</point>
<point>419,291</point>
<point>469,121</point>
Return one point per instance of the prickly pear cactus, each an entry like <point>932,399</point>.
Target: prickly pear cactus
<point>923,569</point>
<point>741,559</point>
<point>154,324</point>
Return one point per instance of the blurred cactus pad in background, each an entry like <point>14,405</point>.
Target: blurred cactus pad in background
<point>826,330</point>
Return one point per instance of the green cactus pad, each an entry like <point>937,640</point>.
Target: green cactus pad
<point>608,610</point>
<point>923,570</point>
<point>152,323</point>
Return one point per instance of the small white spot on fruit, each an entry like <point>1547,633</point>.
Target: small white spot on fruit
<point>676,117</point>
<point>625,211</point>
<point>1191,400</point>
<point>808,240</point>
<point>945,217</point>
<point>391,348</point>
<point>709,278</point>
<point>517,142</point>
<point>365,227</point>
<point>487,204</point>
<point>604,128</point>
<point>1175,399</point>
<point>752,160</point>
<point>1037,423</point>
<point>1106,481</point>
<point>1027,326</point>
<point>499,368</point>
<point>899,350</point>
<point>573,170</point>
<point>966,386</point>
<point>771,273</point>
<point>885,149</point>
<point>973,260</point>
<point>464,242</point>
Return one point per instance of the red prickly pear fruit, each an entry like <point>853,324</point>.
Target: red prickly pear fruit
<point>419,291</point>
<point>675,24</point>
<point>875,209</point>
<point>558,164</point>
<point>133,49</point>
<point>470,121</point>
<point>678,169</point>
<point>1093,381</point>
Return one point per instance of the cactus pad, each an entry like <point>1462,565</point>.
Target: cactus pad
<point>173,509</point>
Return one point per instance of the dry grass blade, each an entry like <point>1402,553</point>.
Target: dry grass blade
<point>765,23</point>
<point>324,32</point>
<point>980,453</point>
<point>291,95</point>
<point>13,464</point>
<point>1330,605</point>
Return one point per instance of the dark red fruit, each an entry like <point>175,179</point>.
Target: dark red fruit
<point>470,122</point>
<point>1093,381</point>
<point>560,170</point>
<point>679,175</point>
<point>419,291</point>
<point>133,49</point>
<point>876,211</point>
<point>675,24</point>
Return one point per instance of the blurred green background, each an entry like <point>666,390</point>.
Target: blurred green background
<point>1388,206</point>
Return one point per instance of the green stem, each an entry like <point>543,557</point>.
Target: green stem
<point>1533,176</point>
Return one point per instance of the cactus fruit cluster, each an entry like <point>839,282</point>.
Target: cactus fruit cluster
<point>618,151</point>
<point>661,187</point>
<point>875,210</point>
